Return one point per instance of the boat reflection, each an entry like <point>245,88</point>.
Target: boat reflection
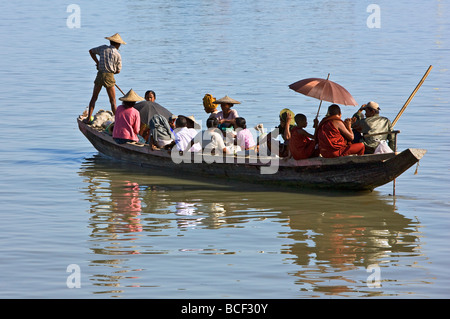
<point>332,246</point>
<point>325,235</point>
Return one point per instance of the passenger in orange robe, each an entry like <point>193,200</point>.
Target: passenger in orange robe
<point>334,135</point>
<point>302,144</point>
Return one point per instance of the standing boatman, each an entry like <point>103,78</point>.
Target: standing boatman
<point>110,63</point>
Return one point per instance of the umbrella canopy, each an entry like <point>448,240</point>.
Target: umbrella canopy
<point>147,109</point>
<point>324,90</point>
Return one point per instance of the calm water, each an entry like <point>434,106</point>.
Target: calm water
<point>136,235</point>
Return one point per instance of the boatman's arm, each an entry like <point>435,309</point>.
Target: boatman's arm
<point>94,57</point>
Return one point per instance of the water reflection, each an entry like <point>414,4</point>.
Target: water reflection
<point>325,237</point>
<point>336,243</point>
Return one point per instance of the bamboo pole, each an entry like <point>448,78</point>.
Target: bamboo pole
<point>119,89</point>
<point>411,96</point>
<point>403,109</point>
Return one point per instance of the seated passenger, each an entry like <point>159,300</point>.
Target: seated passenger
<point>227,116</point>
<point>302,144</point>
<point>144,132</point>
<point>211,139</point>
<point>244,137</point>
<point>172,120</point>
<point>374,123</point>
<point>127,119</point>
<point>150,95</point>
<point>334,135</point>
<point>183,136</point>
<point>284,129</point>
<point>160,132</point>
<point>358,116</point>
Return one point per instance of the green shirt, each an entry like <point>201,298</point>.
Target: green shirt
<point>377,124</point>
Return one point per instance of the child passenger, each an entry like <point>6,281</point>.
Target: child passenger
<point>244,137</point>
<point>212,138</point>
<point>302,144</point>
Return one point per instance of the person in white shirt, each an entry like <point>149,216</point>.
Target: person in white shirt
<point>184,136</point>
<point>211,139</point>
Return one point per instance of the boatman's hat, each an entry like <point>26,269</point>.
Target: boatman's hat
<point>116,38</point>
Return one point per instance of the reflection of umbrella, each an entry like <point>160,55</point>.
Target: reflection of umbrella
<point>323,90</point>
<point>147,109</point>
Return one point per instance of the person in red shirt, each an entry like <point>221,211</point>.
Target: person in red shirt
<point>334,135</point>
<point>127,119</point>
<point>302,144</point>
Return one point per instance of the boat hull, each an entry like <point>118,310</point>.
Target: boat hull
<point>343,173</point>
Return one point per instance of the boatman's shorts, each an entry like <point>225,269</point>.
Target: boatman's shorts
<point>105,79</point>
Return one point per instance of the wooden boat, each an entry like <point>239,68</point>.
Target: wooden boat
<point>364,172</point>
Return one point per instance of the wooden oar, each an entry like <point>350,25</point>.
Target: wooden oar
<point>119,89</point>
<point>411,96</point>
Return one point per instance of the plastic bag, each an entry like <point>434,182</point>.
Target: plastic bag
<point>383,147</point>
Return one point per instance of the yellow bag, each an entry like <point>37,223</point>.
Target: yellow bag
<point>208,104</point>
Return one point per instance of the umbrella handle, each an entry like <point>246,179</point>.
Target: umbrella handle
<point>317,116</point>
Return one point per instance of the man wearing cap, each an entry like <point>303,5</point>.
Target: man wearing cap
<point>374,123</point>
<point>110,63</point>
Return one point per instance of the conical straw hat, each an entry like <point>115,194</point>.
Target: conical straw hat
<point>226,100</point>
<point>131,96</point>
<point>116,38</point>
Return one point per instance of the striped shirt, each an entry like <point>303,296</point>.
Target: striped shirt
<point>110,59</point>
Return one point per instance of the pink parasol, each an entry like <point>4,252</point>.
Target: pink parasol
<point>323,90</point>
